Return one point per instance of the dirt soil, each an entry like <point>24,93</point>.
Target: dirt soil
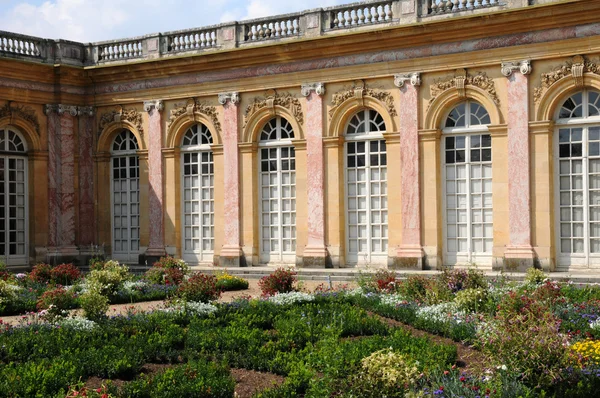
<point>249,382</point>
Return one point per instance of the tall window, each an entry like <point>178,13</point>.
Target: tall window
<point>198,195</point>
<point>467,176</point>
<point>366,189</point>
<point>126,197</point>
<point>277,193</point>
<point>13,197</point>
<point>577,145</point>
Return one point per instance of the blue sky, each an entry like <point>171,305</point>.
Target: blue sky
<point>97,20</point>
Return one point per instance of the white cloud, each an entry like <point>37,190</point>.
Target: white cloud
<point>98,20</point>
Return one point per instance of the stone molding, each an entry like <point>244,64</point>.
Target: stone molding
<point>271,100</point>
<point>88,111</point>
<point>318,88</point>
<point>60,109</point>
<point>195,106</point>
<point>21,111</point>
<point>507,68</point>
<point>575,68</point>
<point>459,82</point>
<point>120,114</point>
<point>358,91</point>
<point>401,79</point>
<point>233,97</point>
<point>154,104</point>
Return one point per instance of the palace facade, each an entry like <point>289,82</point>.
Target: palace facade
<point>400,133</point>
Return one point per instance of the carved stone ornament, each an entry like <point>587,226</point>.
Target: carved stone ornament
<point>194,106</point>
<point>233,97</point>
<point>575,68</point>
<point>508,68</point>
<point>20,111</point>
<point>272,99</point>
<point>459,83</point>
<point>359,91</point>
<point>318,88</point>
<point>131,115</point>
<point>413,78</point>
<point>61,109</point>
<point>154,104</point>
<point>86,111</point>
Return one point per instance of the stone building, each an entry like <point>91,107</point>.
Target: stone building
<point>400,133</point>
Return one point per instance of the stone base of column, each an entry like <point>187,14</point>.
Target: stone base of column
<point>519,258</point>
<point>63,255</point>
<point>232,256</point>
<point>152,255</point>
<point>409,257</point>
<point>316,257</point>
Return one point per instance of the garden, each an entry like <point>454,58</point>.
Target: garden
<point>455,334</point>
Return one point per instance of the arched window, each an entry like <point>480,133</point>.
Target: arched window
<point>198,195</point>
<point>366,189</point>
<point>277,193</point>
<point>467,177</point>
<point>125,197</point>
<point>13,197</point>
<point>577,147</point>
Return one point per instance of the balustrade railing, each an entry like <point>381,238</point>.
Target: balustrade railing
<point>361,14</point>
<point>272,28</point>
<point>21,45</point>
<point>118,51</point>
<point>191,40</point>
<point>447,6</point>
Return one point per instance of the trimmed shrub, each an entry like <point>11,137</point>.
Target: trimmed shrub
<point>227,282</point>
<point>199,287</point>
<point>56,302</point>
<point>65,274</point>
<point>41,273</point>
<point>167,271</point>
<point>280,281</point>
<point>109,279</point>
<point>94,305</point>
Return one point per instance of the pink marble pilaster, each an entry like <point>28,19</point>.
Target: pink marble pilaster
<point>315,251</point>
<point>53,176</point>
<point>156,245</point>
<point>67,182</point>
<point>409,166</point>
<point>87,221</point>
<point>231,250</point>
<point>519,196</point>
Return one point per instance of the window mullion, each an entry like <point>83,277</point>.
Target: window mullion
<point>368,179</point>
<point>279,201</point>
<point>586,193</point>
<point>469,206</point>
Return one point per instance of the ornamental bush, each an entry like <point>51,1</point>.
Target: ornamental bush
<point>280,281</point>
<point>65,274</point>
<point>389,370</point>
<point>8,294</point>
<point>227,282</point>
<point>535,276</point>
<point>167,271</point>
<point>199,287</point>
<point>471,300</point>
<point>108,279</point>
<point>94,305</point>
<point>41,273</point>
<point>56,302</point>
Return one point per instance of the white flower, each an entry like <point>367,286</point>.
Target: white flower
<point>129,286</point>
<point>191,308</point>
<point>392,300</point>
<point>77,323</point>
<point>291,298</point>
<point>595,325</point>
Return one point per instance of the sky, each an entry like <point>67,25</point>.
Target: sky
<point>98,20</point>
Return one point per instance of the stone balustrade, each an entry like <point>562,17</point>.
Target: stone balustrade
<point>191,40</point>
<point>360,14</point>
<point>312,23</point>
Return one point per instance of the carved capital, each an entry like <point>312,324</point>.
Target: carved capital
<point>86,111</point>
<point>413,78</point>
<point>71,109</point>
<point>50,108</point>
<point>154,104</point>
<point>318,88</point>
<point>508,68</point>
<point>233,97</point>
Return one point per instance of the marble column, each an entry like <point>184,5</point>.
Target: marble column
<point>61,181</point>
<point>87,221</point>
<point>156,243</point>
<point>519,254</point>
<point>410,253</point>
<point>231,252</point>
<point>315,252</point>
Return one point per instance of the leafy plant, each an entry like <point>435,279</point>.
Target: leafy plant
<point>94,305</point>
<point>199,287</point>
<point>167,271</point>
<point>280,281</point>
<point>56,302</point>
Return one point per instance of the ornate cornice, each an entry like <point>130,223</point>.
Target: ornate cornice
<point>507,68</point>
<point>575,68</point>
<point>194,106</point>
<point>459,82</point>
<point>414,79</point>
<point>154,104</point>
<point>273,99</point>
<point>118,115</point>
<point>359,91</point>
<point>318,88</point>
<point>233,97</point>
<point>21,111</point>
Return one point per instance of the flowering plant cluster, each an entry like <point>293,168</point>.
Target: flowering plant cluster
<point>199,287</point>
<point>589,351</point>
<point>228,282</point>
<point>167,271</point>
<point>291,298</point>
<point>64,274</point>
<point>280,281</point>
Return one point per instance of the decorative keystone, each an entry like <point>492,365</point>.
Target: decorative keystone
<point>156,104</point>
<point>318,88</point>
<point>86,111</point>
<point>401,79</point>
<point>233,97</point>
<point>509,67</point>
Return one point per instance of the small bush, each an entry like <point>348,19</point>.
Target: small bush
<point>94,305</point>
<point>414,288</point>
<point>227,282</point>
<point>381,281</point>
<point>8,294</point>
<point>65,274</point>
<point>389,370</point>
<point>199,287</point>
<point>109,279</point>
<point>471,300</point>
<point>535,276</point>
<point>280,281</point>
<point>41,273</point>
<point>56,302</point>
<point>4,274</point>
<point>167,271</point>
